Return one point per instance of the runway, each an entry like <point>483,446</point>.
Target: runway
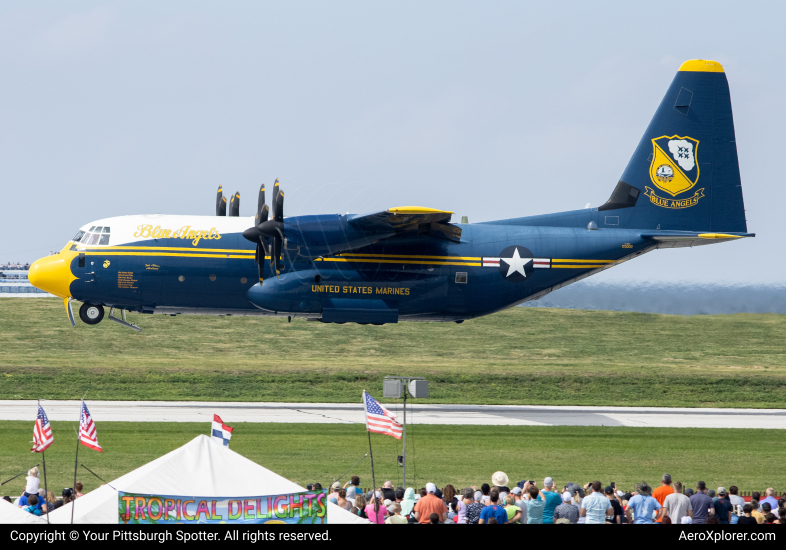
<point>348,413</point>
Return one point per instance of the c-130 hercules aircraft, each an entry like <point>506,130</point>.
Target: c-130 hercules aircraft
<point>681,188</point>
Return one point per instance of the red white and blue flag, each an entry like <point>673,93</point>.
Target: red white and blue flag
<point>221,433</point>
<point>42,432</point>
<point>87,430</point>
<point>379,420</point>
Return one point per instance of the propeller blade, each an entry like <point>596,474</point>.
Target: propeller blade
<point>221,202</point>
<point>261,268</point>
<point>275,255</point>
<point>260,205</point>
<point>278,203</point>
<point>234,205</point>
<point>69,311</point>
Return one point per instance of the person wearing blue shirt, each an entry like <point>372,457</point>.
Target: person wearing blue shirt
<point>535,505</point>
<point>493,510</point>
<point>643,505</point>
<point>32,505</point>
<point>552,499</point>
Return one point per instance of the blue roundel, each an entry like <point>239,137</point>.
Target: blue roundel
<point>516,264</point>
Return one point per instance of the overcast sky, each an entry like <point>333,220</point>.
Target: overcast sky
<point>490,109</point>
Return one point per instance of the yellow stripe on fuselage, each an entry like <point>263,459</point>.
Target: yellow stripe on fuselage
<point>471,258</point>
<point>586,261</point>
<point>577,266</point>
<point>223,250</point>
<point>382,261</point>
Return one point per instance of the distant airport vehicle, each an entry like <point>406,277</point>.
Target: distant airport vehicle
<point>681,188</point>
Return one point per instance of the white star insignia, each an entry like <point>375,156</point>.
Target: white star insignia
<point>516,263</point>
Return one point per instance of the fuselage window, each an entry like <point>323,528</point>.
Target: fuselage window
<point>78,236</point>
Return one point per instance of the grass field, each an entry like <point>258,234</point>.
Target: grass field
<point>462,455</point>
<point>520,356</point>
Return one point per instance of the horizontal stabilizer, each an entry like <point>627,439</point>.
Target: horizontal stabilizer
<point>683,239</point>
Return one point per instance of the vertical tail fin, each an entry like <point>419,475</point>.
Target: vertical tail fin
<point>684,174</point>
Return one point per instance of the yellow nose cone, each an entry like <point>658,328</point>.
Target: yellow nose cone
<point>53,274</point>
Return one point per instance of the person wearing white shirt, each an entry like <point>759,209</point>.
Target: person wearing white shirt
<point>596,506</point>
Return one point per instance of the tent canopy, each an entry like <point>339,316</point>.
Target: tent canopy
<point>337,514</point>
<point>198,468</point>
<point>14,514</point>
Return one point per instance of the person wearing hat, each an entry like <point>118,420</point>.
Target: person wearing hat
<point>430,504</point>
<point>643,505</point>
<point>351,494</point>
<point>722,507</point>
<point>616,516</point>
<point>567,510</point>
<point>408,502</point>
<point>701,503</point>
<point>521,502</point>
<point>499,481</point>
<point>474,508</point>
<point>388,492</point>
<point>394,515</point>
<point>552,498</point>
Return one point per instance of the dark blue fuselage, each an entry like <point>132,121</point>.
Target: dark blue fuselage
<point>408,278</point>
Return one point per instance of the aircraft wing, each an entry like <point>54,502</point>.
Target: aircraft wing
<point>408,220</point>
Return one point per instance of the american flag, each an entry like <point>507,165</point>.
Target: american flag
<point>380,420</point>
<point>87,430</point>
<point>42,432</point>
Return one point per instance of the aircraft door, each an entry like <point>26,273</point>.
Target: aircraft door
<point>459,289</point>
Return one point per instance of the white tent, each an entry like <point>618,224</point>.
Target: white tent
<point>336,514</point>
<point>198,468</point>
<point>14,514</point>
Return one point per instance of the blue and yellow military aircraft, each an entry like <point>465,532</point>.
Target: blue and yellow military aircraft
<point>681,188</point>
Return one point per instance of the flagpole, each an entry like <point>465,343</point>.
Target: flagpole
<point>46,488</point>
<point>76,465</point>
<point>371,455</point>
<point>373,480</point>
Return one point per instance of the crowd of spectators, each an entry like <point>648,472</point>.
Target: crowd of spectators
<point>39,502</point>
<point>527,503</point>
<point>10,266</point>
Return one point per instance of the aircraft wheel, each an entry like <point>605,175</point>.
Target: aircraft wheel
<point>91,314</point>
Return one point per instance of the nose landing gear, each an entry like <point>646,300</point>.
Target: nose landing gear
<point>91,314</point>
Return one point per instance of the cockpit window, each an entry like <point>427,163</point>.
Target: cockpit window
<point>95,235</point>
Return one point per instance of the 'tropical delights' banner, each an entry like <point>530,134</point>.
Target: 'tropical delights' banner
<point>296,508</point>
